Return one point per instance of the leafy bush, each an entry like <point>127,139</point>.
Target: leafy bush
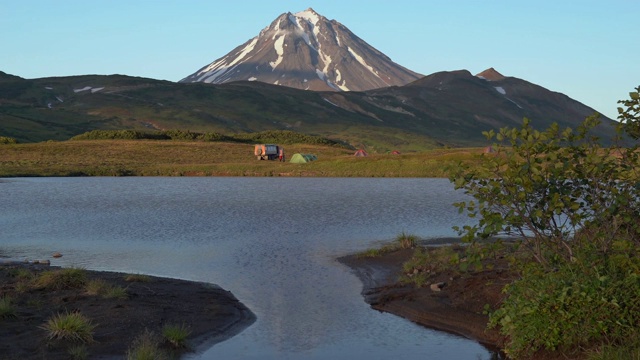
<point>542,187</point>
<point>594,300</point>
<point>271,136</point>
<point>7,140</point>
<point>283,137</point>
<point>574,206</point>
<point>180,134</point>
<point>119,135</point>
<point>69,326</point>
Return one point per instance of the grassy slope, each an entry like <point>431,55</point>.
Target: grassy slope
<point>51,109</point>
<point>176,158</point>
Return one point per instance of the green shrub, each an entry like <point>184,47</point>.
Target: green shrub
<point>7,140</point>
<point>284,137</point>
<point>270,136</point>
<point>212,136</point>
<point>627,351</point>
<point>574,205</point>
<point>176,335</point>
<point>7,310</point>
<point>588,303</point>
<point>69,326</point>
<point>68,278</point>
<point>119,135</point>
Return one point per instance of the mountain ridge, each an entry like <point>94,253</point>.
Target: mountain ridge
<point>444,109</point>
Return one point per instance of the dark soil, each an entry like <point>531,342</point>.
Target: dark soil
<point>211,313</point>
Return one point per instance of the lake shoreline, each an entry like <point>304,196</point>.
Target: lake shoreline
<point>457,308</point>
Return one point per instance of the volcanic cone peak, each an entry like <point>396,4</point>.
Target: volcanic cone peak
<point>491,74</point>
<point>307,51</point>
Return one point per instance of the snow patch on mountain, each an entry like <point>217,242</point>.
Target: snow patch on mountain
<point>323,76</point>
<point>83,89</point>
<point>219,68</point>
<point>500,89</point>
<point>310,15</point>
<point>514,102</point>
<point>364,63</point>
<point>278,45</point>
<point>329,101</point>
<point>342,86</point>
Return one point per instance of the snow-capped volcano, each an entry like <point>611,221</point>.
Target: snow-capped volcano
<point>307,51</point>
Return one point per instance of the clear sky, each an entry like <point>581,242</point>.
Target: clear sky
<point>586,49</point>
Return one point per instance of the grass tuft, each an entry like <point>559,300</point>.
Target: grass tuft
<point>427,263</point>
<point>22,274</point>
<point>406,241</point>
<point>7,310</point>
<point>99,287</point>
<point>69,326</point>
<point>69,278</point>
<point>402,241</point>
<point>176,335</point>
<point>146,347</point>
<point>78,352</point>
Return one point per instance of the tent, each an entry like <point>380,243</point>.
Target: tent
<point>361,152</point>
<point>395,152</point>
<point>298,158</point>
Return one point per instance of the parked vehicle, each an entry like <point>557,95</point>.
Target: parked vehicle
<point>266,151</point>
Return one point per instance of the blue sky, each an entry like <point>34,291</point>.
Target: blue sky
<point>588,50</point>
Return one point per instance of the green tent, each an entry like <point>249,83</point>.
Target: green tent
<point>302,158</point>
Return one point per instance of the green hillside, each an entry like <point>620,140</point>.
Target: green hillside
<point>415,117</point>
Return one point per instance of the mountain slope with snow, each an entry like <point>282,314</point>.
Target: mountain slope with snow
<point>307,51</point>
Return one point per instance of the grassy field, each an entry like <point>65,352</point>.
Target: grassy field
<point>178,158</point>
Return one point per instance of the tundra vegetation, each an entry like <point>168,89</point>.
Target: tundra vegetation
<point>573,206</point>
<point>184,153</point>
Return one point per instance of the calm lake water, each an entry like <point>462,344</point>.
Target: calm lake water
<point>273,242</point>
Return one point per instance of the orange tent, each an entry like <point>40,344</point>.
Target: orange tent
<point>361,152</point>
